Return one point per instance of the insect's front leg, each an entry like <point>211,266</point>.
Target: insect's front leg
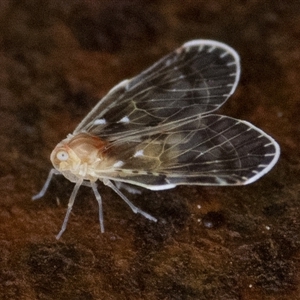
<point>46,185</point>
<point>70,206</point>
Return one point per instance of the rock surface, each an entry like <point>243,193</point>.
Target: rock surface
<point>57,59</point>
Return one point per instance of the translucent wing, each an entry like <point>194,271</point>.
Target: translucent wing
<point>193,80</point>
<point>209,150</point>
<point>157,131</point>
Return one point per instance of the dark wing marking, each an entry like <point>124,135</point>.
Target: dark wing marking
<point>195,79</point>
<point>209,150</point>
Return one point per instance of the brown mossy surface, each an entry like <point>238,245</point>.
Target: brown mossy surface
<point>57,58</point>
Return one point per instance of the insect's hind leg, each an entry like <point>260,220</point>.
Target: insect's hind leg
<point>46,185</point>
<point>131,205</point>
<point>127,187</point>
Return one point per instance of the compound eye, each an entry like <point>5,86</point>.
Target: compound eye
<point>62,155</point>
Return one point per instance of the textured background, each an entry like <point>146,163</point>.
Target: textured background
<point>57,58</point>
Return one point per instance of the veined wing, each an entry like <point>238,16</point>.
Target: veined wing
<point>195,79</point>
<point>156,131</point>
<point>209,150</point>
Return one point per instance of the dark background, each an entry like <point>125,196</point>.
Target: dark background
<point>57,59</point>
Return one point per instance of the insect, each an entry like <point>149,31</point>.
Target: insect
<point>158,130</point>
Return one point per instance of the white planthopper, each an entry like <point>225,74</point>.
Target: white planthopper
<point>158,130</point>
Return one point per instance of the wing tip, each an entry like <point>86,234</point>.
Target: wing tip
<point>213,43</point>
<point>268,168</point>
<point>227,50</point>
<point>271,164</point>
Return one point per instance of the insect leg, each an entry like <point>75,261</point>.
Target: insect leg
<point>131,205</point>
<point>127,187</point>
<point>46,185</point>
<point>70,205</point>
<point>99,199</point>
